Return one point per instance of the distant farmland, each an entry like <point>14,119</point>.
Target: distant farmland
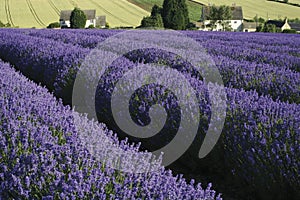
<point>261,8</point>
<point>39,13</point>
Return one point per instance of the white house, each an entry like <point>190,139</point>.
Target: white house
<point>236,22</point>
<point>249,26</point>
<point>66,14</point>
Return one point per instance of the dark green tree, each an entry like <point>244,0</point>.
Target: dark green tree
<point>156,10</point>
<point>175,14</point>
<point>155,20</point>
<point>220,15</point>
<point>270,28</point>
<point>78,18</point>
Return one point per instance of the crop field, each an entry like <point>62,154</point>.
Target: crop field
<point>194,9</point>
<point>39,13</point>
<point>50,150</point>
<point>261,8</point>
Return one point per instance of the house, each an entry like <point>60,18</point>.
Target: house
<point>280,24</point>
<point>101,21</point>
<point>65,16</point>
<point>295,26</point>
<point>235,22</point>
<point>249,26</point>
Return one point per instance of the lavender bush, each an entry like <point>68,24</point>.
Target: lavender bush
<point>42,156</point>
<point>260,141</point>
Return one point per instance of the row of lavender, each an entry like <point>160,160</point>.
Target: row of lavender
<point>268,73</point>
<point>280,52</point>
<point>278,82</point>
<point>42,156</point>
<point>267,131</point>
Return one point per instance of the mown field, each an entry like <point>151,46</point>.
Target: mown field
<point>39,13</point>
<point>49,150</point>
<point>195,9</point>
<point>261,8</point>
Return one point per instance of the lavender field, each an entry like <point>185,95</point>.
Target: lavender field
<point>43,153</point>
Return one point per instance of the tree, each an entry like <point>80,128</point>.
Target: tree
<point>270,28</point>
<point>155,20</point>
<point>156,10</point>
<point>54,25</point>
<point>175,14</point>
<point>220,15</point>
<point>78,18</point>
<point>260,28</point>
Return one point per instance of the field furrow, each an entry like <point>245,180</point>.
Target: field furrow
<point>8,13</point>
<point>111,14</point>
<point>36,17</point>
<point>54,7</point>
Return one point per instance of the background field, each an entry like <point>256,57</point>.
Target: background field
<point>263,8</point>
<point>39,13</point>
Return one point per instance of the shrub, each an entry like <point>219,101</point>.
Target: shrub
<point>289,31</point>
<point>2,25</point>
<point>54,25</point>
<point>91,26</point>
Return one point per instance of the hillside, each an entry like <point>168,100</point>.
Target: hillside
<point>261,8</point>
<point>194,8</point>
<point>39,13</point>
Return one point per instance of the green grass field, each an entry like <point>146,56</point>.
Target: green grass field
<point>39,13</point>
<point>194,8</point>
<point>261,8</point>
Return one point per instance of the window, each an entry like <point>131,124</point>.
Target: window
<point>235,22</point>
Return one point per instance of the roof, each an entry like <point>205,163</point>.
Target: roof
<point>66,14</point>
<point>249,25</point>
<point>237,12</point>
<point>101,20</point>
<point>277,23</point>
<point>295,26</point>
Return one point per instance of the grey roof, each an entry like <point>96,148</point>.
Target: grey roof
<point>237,12</point>
<point>295,26</point>
<point>66,14</point>
<point>249,25</point>
<point>277,23</point>
<point>101,20</point>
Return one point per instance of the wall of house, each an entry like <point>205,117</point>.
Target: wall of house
<point>285,26</point>
<point>236,25</point>
<point>87,24</point>
<point>90,22</point>
<point>65,23</point>
<point>249,29</point>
